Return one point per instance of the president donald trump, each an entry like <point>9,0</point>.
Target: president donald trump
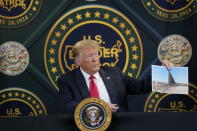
<point>92,80</point>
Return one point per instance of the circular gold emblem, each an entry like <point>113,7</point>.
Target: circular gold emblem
<point>15,102</point>
<point>17,13</point>
<point>176,49</point>
<point>92,114</point>
<point>14,58</point>
<point>120,42</point>
<point>170,10</point>
<point>162,102</point>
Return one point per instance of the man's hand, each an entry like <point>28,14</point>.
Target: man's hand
<point>169,65</point>
<point>113,107</point>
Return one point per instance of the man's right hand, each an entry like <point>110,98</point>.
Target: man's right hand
<point>113,107</point>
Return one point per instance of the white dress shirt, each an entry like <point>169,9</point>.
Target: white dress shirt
<point>103,94</point>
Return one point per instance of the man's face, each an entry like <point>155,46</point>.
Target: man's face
<point>88,60</point>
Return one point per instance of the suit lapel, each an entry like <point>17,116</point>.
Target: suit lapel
<point>109,85</point>
<point>82,84</point>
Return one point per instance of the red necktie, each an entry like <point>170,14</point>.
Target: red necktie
<point>93,89</point>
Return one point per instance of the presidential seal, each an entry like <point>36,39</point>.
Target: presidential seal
<point>176,49</point>
<point>120,43</point>
<point>16,13</point>
<point>92,114</point>
<point>160,102</point>
<point>170,10</point>
<point>17,102</point>
<point>14,58</point>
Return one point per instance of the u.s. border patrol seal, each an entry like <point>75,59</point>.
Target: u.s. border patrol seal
<point>170,10</point>
<point>161,102</point>
<point>120,43</point>
<point>92,114</point>
<point>15,102</point>
<point>17,13</point>
<point>176,49</point>
<point>14,58</point>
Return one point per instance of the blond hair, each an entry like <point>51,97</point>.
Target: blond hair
<point>84,44</point>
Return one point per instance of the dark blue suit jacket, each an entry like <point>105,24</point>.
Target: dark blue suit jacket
<point>73,88</point>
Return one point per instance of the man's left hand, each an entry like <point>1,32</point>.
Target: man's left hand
<point>169,65</point>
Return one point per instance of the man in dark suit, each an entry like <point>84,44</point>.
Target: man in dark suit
<point>91,80</point>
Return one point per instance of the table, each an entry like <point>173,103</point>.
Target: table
<point>133,121</point>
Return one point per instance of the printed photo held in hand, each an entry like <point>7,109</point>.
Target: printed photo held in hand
<point>172,81</point>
